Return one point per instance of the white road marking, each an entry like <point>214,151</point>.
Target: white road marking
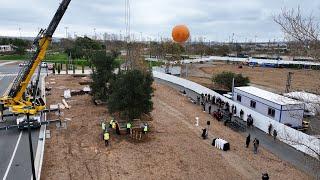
<point>8,89</point>
<point>12,157</point>
<point>9,74</point>
<point>6,63</point>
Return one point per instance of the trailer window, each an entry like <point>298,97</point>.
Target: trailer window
<point>239,98</point>
<point>252,104</point>
<point>271,112</point>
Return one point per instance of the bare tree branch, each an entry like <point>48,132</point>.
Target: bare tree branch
<point>304,31</point>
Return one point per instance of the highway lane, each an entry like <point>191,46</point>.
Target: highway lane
<point>14,151</point>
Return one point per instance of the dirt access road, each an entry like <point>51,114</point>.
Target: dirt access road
<point>173,150</point>
<point>273,79</point>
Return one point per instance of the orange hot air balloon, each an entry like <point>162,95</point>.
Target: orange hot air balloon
<point>180,33</point>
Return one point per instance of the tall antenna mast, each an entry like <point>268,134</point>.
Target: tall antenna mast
<point>127,19</point>
<point>127,35</point>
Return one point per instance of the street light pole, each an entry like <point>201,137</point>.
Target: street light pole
<point>31,148</point>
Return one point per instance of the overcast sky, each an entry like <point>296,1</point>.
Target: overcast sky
<point>216,20</point>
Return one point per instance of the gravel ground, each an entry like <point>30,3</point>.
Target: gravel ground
<point>172,150</point>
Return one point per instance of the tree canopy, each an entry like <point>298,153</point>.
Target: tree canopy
<point>103,65</point>
<point>19,44</point>
<point>224,80</point>
<point>83,47</point>
<point>131,94</point>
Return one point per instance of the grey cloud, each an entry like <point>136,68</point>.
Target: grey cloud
<point>214,19</point>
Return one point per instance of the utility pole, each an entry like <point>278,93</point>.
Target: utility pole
<point>31,148</point>
<point>19,32</point>
<point>232,87</point>
<point>140,36</point>
<point>289,80</point>
<point>255,41</point>
<point>66,32</point>
<point>186,70</point>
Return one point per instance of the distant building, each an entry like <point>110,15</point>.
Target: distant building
<point>6,48</point>
<point>282,109</point>
<point>123,52</point>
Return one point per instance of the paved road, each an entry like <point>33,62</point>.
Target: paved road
<point>14,147</point>
<point>282,150</point>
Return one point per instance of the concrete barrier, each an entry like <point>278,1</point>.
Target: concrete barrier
<point>42,136</point>
<point>299,140</point>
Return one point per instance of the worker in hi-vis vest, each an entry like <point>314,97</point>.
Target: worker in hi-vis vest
<point>110,123</point>
<point>103,126</point>
<point>145,128</point>
<point>128,127</point>
<point>114,125</point>
<point>106,137</point>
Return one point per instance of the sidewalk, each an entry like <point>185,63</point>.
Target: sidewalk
<point>282,150</point>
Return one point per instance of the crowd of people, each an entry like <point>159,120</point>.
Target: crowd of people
<point>224,112</point>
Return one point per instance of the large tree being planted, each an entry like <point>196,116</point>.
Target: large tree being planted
<point>131,94</point>
<point>103,65</point>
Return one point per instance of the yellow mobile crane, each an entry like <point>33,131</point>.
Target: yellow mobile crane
<point>14,100</point>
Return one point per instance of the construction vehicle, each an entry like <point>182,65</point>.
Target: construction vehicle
<point>15,100</point>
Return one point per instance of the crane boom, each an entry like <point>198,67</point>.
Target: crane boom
<point>42,42</point>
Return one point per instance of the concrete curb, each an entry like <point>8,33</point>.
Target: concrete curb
<point>42,137</point>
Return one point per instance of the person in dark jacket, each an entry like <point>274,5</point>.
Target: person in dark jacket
<point>117,129</point>
<point>213,100</point>
<point>248,141</point>
<point>209,109</point>
<point>241,114</point>
<point>204,133</point>
<point>275,134</point>
<point>255,145</point>
<point>265,176</point>
<point>269,129</point>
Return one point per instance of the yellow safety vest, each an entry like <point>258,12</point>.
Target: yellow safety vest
<point>106,136</point>
<point>113,125</point>
<point>128,125</point>
<point>103,126</point>
<point>145,129</point>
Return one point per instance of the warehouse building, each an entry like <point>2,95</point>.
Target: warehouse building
<point>282,109</point>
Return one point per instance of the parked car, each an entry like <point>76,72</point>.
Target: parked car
<point>44,65</point>
<point>22,64</point>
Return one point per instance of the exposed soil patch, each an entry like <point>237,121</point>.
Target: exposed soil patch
<point>173,150</point>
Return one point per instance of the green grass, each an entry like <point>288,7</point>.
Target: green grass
<point>119,60</point>
<point>155,63</point>
<point>48,57</point>
<point>62,58</point>
<point>56,57</point>
<point>15,57</point>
